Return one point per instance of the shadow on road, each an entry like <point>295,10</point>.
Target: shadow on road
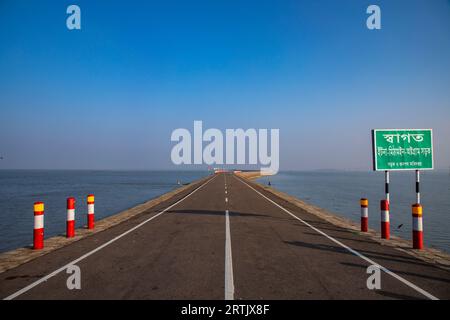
<point>218,213</point>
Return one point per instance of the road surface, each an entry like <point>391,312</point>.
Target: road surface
<point>225,239</point>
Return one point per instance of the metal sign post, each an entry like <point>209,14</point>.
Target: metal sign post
<point>417,187</point>
<point>399,150</point>
<point>386,184</point>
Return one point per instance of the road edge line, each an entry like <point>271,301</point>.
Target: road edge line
<point>394,275</point>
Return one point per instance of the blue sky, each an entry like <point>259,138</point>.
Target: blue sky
<point>108,96</point>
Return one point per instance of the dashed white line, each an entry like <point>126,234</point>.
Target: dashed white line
<point>229,282</point>
<point>406,282</point>
<point>54,273</point>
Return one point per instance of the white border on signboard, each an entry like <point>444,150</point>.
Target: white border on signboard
<point>374,143</point>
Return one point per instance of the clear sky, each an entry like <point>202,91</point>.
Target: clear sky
<point>108,96</point>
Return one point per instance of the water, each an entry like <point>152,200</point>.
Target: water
<point>114,191</point>
<point>339,192</point>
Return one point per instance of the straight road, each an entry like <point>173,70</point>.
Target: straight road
<point>226,239</point>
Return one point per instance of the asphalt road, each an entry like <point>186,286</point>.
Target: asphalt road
<point>227,239</point>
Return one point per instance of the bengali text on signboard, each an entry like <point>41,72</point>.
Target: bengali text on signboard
<point>402,149</point>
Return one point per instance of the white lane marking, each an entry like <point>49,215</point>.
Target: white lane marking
<point>225,177</point>
<point>409,284</point>
<point>229,282</point>
<point>226,199</point>
<point>54,273</point>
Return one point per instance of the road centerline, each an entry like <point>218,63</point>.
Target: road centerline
<point>229,281</point>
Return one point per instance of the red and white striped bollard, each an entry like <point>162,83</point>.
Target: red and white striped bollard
<point>38,235</point>
<point>90,216</point>
<point>417,226</point>
<point>364,214</point>
<point>384,205</point>
<point>70,226</point>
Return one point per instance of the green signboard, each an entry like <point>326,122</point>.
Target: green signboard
<point>402,149</point>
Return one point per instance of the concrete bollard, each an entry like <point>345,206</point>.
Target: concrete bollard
<point>384,205</point>
<point>70,226</point>
<point>90,215</point>
<point>364,214</point>
<point>417,226</point>
<point>38,236</point>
